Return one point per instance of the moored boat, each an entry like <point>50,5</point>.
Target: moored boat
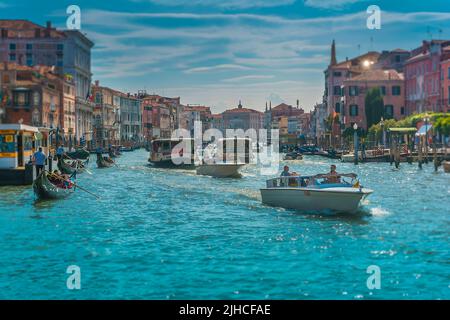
<point>45,189</point>
<point>293,156</point>
<point>446,165</point>
<point>315,193</point>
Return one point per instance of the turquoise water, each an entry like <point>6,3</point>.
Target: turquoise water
<point>162,234</point>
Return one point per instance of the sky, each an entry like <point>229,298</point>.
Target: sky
<point>217,52</point>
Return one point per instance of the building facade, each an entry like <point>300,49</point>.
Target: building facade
<point>242,118</point>
<point>106,116</point>
<point>391,85</point>
<point>445,76</point>
<point>68,52</point>
<point>130,119</point>
<point>423,75</point>
<point>30,96</point>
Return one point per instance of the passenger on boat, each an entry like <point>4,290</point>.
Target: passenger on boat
<point>285,172</point>
<point>333,176</point>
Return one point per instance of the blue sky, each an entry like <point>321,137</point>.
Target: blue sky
<point>216,53</point>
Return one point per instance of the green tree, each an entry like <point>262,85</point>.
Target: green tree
<point>442,125</point>
<point>374,106</point>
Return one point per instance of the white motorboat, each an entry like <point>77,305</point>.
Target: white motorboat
<point>315,193</point>
<point>220,170</point>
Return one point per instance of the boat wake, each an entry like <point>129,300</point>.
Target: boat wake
<point>379,212</point>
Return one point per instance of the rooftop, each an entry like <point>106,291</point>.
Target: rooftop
<point>378,75</point>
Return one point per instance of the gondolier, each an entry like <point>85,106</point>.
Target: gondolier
<point>39,161</point>
<point>60,152</point>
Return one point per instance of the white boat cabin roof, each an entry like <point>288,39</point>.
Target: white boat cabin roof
<point>18,127</point>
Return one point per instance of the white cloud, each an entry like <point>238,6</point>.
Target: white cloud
<point>217,68</point>
<point>249,77</point>
<point>225,4</point>
<point>330,4</point>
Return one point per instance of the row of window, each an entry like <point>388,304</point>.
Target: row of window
<point>354,91</point>
<point>29,59</point>
<point>354,110</point>
<point>29,46</point>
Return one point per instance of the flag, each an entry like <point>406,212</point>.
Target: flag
<point>89,95</point>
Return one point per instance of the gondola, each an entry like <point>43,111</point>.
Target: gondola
<point>81,154</point>
<point>44,189</point>
<point>66,168</point>
<point>104,162</point>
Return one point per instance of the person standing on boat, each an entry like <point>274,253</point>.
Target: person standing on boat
<point>39,161</point>
<point>60,152</point>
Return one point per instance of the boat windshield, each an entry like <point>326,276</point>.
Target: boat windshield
<point>318,181</point>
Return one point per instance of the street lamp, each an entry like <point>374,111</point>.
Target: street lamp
<point>383,133</point>
<point>355,141</point>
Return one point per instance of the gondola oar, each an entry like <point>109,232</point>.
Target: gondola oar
<point>76,185</point>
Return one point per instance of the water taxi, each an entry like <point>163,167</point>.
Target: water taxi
<point>226,158</point>
<point>315,193</point>
<point>162,149</point>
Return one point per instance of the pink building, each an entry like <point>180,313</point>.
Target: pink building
<point>423,77</point>
<point>391,85</point>
<point>445,76</point>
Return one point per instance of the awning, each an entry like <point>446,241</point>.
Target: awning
<point>402,130</point>
<point>424,129</point>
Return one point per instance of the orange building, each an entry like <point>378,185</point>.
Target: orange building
<point>32,96</point>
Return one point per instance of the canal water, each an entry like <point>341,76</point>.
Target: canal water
<point>169,234</point>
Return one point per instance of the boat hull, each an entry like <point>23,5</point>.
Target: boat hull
<point>220,170</point>
<point>168,164</point>
<point>308,199</point>
<point>45,190</point>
